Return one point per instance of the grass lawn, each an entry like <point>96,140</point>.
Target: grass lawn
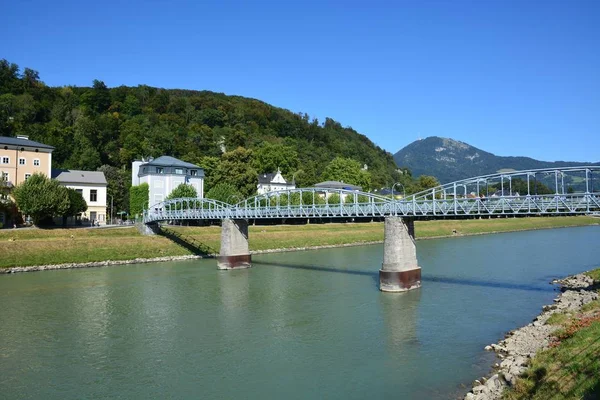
<point>25,247</point>
<point>570,369</point>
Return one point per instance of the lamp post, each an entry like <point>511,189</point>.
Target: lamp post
<point>111,209</point>
<point>403,190</point>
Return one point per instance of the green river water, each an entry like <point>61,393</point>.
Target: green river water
<point>301,325</point>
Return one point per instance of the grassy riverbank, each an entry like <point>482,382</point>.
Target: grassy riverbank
<point>570,369</point>
<point>26,247</point>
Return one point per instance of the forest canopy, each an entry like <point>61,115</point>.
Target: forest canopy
<point>97,126</point>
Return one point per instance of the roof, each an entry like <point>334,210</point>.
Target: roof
<point>337,185</point>
<point>12,141</point>
<point>74,176</point>
<point>168,161</point>
<point>266,178</point>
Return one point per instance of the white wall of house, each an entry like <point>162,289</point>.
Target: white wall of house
<point>277,183</point>
<point>96,209</point>
<point>162,185</point>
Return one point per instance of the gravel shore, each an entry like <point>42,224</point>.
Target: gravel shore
<point>520,345</point>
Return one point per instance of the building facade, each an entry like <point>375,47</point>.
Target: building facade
<point>20,158</point>
<point>273,182</point>
<point>164,174</point>
<point>92,186</point>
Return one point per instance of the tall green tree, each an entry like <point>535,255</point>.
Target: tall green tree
<point>269,157</point>
<point>138,199</point>
<point>183,191</point>
<point>41,198</point>
<point>347,170</point>
<point>424,182</point>
<point>77,205</point>
<point>118,183</point>
<point>224,192</point>
<point>236,169</point>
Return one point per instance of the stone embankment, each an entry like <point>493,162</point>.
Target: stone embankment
<point>93,264</point>
<point>520,345</point>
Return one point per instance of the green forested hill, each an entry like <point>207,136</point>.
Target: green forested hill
<point>95,126</point>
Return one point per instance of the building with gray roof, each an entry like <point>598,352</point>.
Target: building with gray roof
<point>92,185</point>
<point>164,174</point>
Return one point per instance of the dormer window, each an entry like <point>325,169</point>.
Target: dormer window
<point>160,170</point>
<point>193,172</point>
<point>179,171</point>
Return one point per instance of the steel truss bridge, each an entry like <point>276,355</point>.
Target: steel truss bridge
<point>576,190</point>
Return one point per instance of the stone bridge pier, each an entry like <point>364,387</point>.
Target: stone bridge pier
<point>399,271</point>
<point>234,252</point>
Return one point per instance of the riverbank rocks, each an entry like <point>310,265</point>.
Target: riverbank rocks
<point>520,345</point>
<point>94,264</point>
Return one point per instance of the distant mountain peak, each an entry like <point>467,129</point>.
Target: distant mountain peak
<point>451,160</point>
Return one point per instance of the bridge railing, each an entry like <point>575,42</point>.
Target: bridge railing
<point>560,181</point>
<point>575,191</point>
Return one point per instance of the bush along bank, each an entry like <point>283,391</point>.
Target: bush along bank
<point>556,355</point>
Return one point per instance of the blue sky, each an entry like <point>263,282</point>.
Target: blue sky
<point>510,77</point>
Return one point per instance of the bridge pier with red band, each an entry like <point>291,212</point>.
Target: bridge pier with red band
<point>399,271</point>
<point>234,252</point>
<point>399,281</point>
<point>234,262</point>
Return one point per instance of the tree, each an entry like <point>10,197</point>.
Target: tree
<point>236,169</point>
<point>41,198</point>
<point>224,192</point>
<point>118,180</point>
<point>182,191</point>
<point>98,98</point>
<point>138,198</point>
<point>210,166</point>
<point>77,204</point>
<point>347,170</point>
<point>424,182</point>
<point>6,204</point>
<point>272,156</point>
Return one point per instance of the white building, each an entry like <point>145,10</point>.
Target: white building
<point>272,182</point>
<point>92,186</point>
<point>164,174</point>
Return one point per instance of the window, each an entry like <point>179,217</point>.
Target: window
<point>36,162</point>
<point>193,172</point>
<point>80,191</point>
<point>27,176</point>
<point>21,161</point>
<point>93,195</point>
<point>159,170</point>
<point>5,176</point>
<point>5,160</point>
<point>179,171</point>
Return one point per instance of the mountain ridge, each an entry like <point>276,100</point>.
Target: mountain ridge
<point>451,160</point>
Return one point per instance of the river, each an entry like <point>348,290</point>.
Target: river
<point>298,325</point>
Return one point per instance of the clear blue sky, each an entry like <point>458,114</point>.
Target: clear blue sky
<point>510,77</point>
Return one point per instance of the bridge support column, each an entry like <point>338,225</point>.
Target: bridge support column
<point>234,251</point>
<point>149,229</point>
<point>399,271</point>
